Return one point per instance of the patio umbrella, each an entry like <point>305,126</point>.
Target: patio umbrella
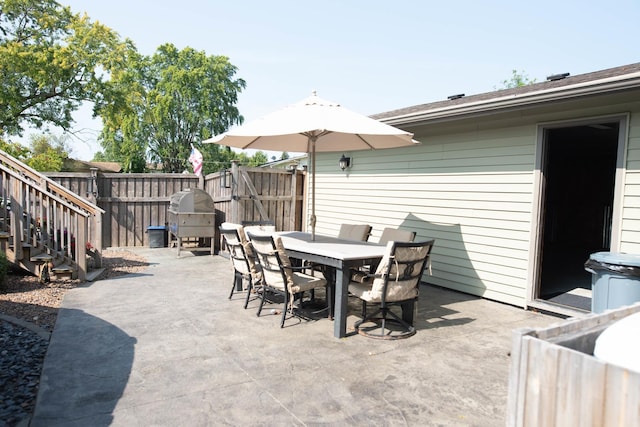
<point>314,125</point>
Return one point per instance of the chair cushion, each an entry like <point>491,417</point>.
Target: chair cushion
<point>397,235</point>
<point>359,232</point>
<point>361,277</point>
<point>296,281</point>
<point>248,248</point>
<point>305,282</point>
<point>260,229</point>
<point>397,290</point>
<point>284,258</point>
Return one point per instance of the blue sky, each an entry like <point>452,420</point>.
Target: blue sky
<point>373,56</point>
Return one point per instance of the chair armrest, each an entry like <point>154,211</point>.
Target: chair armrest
<point>363,277</point>
<point>296,268</point>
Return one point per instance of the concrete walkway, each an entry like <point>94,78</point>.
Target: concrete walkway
<point>166,347</point>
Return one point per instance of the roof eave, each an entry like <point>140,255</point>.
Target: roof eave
<point>597,87</point>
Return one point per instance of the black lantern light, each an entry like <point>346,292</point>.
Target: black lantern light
<point>225,178</point>
<point>344,162</point>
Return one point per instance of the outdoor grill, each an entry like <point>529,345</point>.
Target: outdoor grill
<point>192,216</point>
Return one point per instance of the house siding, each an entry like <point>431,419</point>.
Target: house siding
<point>630,224</point>
<point>473,191</point>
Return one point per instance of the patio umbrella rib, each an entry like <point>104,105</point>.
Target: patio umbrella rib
<point>371,147</point>
<point>247,146</point>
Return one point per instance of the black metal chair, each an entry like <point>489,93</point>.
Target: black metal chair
<point>279,276</point>
<point>395,283</point>
<point>388,234</point>
<point>243,260</point>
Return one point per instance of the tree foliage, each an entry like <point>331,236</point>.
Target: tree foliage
<point>46,153</point>
<point>174,98</point>
<point>153,108</point>
<point>52,60</point>
<point>517,79</point>
<point>15,149</point>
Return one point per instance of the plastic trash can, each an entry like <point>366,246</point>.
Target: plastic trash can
<point>157,236</point>
<point>615,280</point>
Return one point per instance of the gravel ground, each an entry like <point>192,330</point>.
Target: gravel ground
<point>22,349</point>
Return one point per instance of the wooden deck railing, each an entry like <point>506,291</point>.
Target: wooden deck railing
<point>39,216</point>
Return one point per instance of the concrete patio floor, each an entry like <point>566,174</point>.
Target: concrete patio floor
<point>166,347</point>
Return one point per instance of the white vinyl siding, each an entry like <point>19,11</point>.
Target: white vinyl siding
<point>630,228</point>
<point>472,192</point>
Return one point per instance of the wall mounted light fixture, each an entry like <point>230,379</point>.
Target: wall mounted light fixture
<point>225,178</point>
<point>344,162</point>
<point>92,184</point>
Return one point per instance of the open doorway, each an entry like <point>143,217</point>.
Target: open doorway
<point>578,171</point>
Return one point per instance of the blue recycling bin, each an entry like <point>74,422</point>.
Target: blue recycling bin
<point>158,236</point>
<point>615,280</point>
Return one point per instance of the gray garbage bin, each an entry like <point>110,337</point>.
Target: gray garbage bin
<point>615,281</point>
<point>157,236</point>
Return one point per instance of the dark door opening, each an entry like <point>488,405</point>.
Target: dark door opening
<point>578,169</point>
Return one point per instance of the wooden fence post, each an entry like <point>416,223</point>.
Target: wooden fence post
<point>294,198</point>
<point>235,195</point>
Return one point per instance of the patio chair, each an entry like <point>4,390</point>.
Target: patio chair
<point>243,260</point>
<point>360,232</point>
<point>279,276</point>
<point>259,227</point>
<point>388,234</point>
<point>395,283</point>
<point>397,235</point>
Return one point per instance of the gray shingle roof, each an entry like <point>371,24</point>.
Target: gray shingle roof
<point>513,92</point>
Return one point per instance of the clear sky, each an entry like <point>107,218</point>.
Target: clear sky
<point>373,56</point>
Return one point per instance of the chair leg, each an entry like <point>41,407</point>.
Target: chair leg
<point>409,312</point>
<point>249,289</point>
<point>285,309</point>
<point>398,320</point>
<point>261,302</point>
<point>235,283</point>
<point>330,290</point>
<point>383,316</point>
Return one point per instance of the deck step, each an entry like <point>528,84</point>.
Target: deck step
<point>42,257</point>
<point>63,268</point>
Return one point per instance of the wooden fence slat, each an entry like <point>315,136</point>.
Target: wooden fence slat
<point>133,202</point>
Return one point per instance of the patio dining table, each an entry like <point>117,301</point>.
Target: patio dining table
<point>341,254</point>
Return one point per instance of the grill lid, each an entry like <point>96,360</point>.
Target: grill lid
<point>191,200</point>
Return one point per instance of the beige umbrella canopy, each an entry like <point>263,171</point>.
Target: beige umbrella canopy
<point>312,125</point>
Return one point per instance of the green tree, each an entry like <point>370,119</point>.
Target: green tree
<point>259,158</point>
<point>517,80</point>
<point>15,149</point>
<point>174,98</point>
<point>52,60</point>
<point>48,153</point>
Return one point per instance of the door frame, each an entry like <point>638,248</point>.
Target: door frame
<point>536,243</point>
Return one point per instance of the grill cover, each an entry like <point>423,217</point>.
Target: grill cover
<point>191,200</point>
<point>192,214</point>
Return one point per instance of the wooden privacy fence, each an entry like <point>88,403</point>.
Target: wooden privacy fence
<point>134,202</point>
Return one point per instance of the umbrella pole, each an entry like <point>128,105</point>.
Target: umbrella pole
<point>313,187</point>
